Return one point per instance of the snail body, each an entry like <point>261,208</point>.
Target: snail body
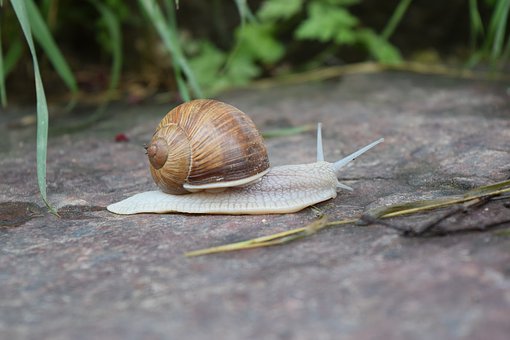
<point>276,190</point>
<point>283,189</point>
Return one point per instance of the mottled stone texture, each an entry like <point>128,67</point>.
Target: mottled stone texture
<point>90,274</point>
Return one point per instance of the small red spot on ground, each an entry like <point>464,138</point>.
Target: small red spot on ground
<point>121,137</point>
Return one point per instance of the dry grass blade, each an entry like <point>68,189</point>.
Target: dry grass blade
<point>265,241</point>
<point>274,239</point>
<point>491,189</point>
<point>374,67</point>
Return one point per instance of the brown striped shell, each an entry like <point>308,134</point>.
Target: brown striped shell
<point>206,145</point>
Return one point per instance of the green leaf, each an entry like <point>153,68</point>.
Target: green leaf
<point>213,76</point>
<point>12,56</point>
<point>241,71</point>
<point>345,37</point>
<point>327,23</point>
<point>258,42</point>
<point>44,38</point>
<point>379,48</point>
<point>207,65</point>
<point>42,107</point>
<point>279,9</point>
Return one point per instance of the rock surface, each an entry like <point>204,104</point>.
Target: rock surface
<point>90,274</point>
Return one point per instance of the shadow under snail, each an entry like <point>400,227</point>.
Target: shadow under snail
<point>207,157</point>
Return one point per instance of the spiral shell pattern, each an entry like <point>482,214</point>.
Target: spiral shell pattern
<point>205,143</point>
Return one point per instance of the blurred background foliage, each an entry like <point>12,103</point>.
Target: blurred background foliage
<point>134,49</point>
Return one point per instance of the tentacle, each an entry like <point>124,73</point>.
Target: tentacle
<point>339,164</point>
<point>343,186</point>
<point>320,152</point>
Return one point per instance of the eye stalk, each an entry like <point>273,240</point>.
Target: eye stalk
<point>344,161</point>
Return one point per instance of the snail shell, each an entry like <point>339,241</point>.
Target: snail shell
<point>206,145</point>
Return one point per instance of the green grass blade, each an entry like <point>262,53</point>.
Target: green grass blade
<point>506,52</point>
<point>498,22</point>
<point>476,24</point>
<point>3,94</point>
<point>246,16</point>
<point>42,35</point>
<point>244,11</point>
<point>395,19</point>
<point>42,107</point>
<point>172,24</point>
<point>171,42</point>
<point>12,56</point>
<point>113,26</point>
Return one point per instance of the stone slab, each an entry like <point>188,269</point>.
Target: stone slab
<point>93,275</point>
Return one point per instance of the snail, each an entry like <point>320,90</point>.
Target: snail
<point>207,157</point>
